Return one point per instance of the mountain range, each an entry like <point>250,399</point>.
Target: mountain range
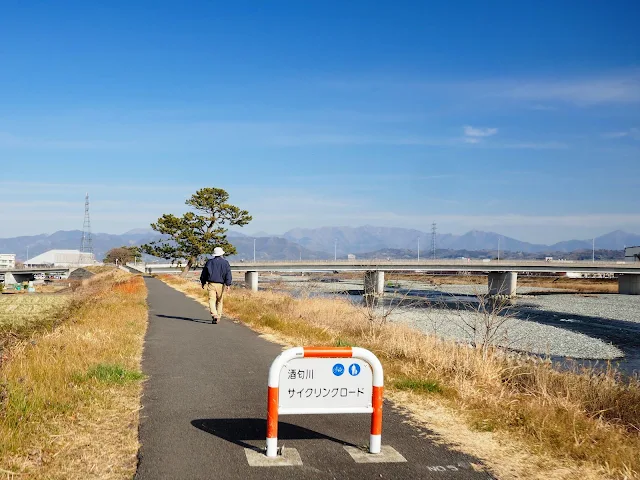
<point>369,238</point>
<point>324,242</point>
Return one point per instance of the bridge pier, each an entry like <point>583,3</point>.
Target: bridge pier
<point>373,286</point>
<point>629,284</point>
<point>373,283</point>
<point>503,283</point>
<point>251,280</point>
<point>9,279</point>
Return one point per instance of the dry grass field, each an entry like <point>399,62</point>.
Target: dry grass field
<point>70,380</point>
<point>19,310</point>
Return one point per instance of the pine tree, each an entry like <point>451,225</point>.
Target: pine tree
<point>196,233</point>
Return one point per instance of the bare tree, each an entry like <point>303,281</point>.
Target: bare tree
<point>487,322</point>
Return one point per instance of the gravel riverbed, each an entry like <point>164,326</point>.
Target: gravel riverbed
<point>541,321</point>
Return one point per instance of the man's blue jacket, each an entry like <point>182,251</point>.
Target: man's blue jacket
<point>216,270</point>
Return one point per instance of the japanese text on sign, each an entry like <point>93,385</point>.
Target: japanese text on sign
<point>325,383</point>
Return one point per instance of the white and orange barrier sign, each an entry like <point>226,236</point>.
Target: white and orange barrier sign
<point>307,380</point>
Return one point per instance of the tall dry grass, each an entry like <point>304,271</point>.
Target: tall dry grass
<point>590,417</point>
<point>70,395</point>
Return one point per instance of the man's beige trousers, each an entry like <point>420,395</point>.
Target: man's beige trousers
<point>216,292</point>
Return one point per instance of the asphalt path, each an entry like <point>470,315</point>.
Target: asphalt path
<point>205,402</point>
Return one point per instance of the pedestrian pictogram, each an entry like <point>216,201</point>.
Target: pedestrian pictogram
<point>338,369</point>
<point>354,369</point>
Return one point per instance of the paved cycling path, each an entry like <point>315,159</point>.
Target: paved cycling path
<point>205,401</point>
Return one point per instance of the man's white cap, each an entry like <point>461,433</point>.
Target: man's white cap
<point>218,252</point>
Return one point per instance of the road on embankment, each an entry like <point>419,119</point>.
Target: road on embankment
<point>204,404</point>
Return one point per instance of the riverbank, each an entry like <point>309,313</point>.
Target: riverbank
<point>581,424</point>
<point>560,323</point>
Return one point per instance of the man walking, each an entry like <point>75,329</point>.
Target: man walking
<point>216,278</point>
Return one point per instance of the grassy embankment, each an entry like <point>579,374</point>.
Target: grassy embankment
<point>70,381</point>
<point>575,425</point>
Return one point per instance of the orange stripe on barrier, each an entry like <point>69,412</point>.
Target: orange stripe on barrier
<point>328,352</point>
<point>272,413</point>
<point>376,416</point>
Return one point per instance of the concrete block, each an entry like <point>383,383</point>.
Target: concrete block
<point>257,458</point>
<point>387,455</point>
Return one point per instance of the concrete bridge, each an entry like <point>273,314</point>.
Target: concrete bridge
<point>19,275</point>
<point>502,274</point>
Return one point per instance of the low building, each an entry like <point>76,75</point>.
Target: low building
<point>7,261</point>
<point>61,258</point>
<point>632,254</point>
<point>351,256</point>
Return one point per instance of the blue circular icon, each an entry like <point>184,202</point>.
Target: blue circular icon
<point>354,369</point>
<point>338,369</point>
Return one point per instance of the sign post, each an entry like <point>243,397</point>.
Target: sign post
<point>317,380</point>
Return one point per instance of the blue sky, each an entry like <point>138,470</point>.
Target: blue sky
<point>516,117</point>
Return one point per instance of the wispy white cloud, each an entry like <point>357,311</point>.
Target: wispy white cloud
<point>542,108</point>
<point>470,131</point>
<point>474,135</point>
<point>365,116</point>
<point>54,187</point>
<point>615,134</point>
<point>534,145</point>
<point>633,133</point>
<point>357,139</point>
<point>280,208</point>
<point>39,204</point>
<point>9,140</point>
<point>540,93</point>
<point>102,205</point>
<point>585,91</point>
